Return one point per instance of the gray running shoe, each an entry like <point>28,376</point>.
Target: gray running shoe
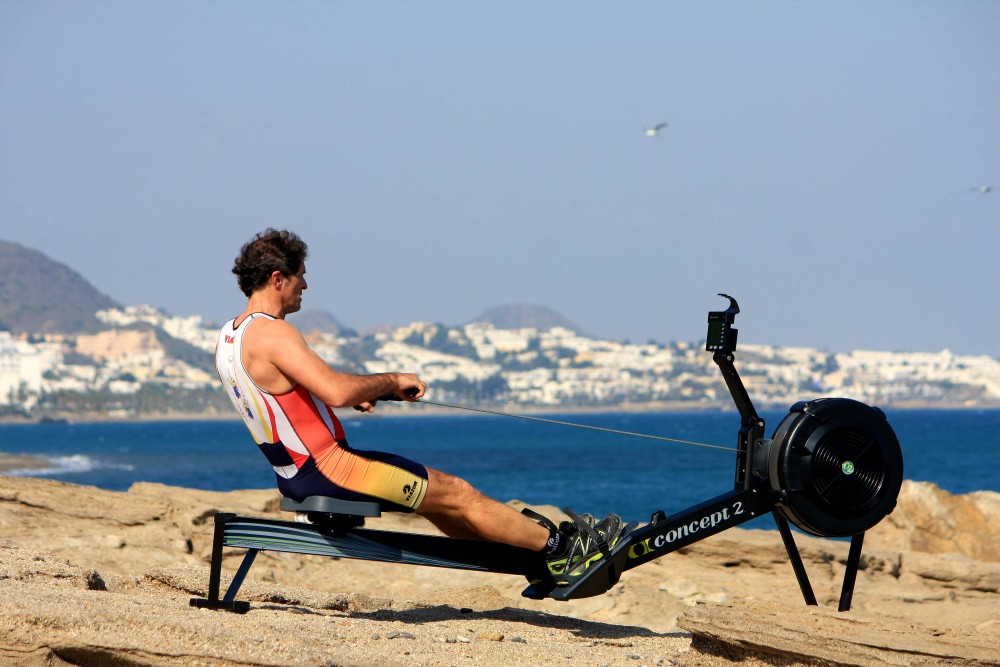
<point>583,549</point>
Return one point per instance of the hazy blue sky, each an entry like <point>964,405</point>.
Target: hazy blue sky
<point>441,158</point>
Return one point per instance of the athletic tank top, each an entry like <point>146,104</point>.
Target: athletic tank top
<point>289,427</point>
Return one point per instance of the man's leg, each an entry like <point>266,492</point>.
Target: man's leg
<point>459,510</point>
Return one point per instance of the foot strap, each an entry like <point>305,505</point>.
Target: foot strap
<point>582,526</point>
<point>535,516</point>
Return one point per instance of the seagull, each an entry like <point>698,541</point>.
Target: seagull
<point>655,130</point>
<point>982,189</point>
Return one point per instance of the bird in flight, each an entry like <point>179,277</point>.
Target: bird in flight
<point>982,189</point>
<point>655,130</point>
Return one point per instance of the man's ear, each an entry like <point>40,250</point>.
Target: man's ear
<point>276,278</point>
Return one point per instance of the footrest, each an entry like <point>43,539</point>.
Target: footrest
<point>328,505</point>
<point>597,580</point>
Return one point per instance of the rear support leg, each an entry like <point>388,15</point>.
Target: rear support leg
<point>851,573</point>
<point>215,572</point>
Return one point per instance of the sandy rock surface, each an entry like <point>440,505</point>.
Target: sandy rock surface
<point>98,577</point>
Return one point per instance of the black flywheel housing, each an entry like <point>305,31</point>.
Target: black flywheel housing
<point>837,466</point>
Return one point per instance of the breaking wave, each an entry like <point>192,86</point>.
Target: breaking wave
<point>63,465</point>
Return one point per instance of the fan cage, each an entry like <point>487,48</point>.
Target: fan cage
<point>847,470</point>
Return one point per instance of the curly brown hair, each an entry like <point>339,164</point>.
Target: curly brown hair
<point>269,251</point>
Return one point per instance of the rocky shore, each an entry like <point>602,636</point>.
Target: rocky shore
<point>94,577</point>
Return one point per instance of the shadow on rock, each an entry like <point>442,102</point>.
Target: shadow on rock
<point>579,627</point>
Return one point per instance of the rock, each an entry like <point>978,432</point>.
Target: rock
<point>755,628</point>
<point>992,625</point>
<point>927,519</point>
<point>954,570</point>
<point>105,577</point>
<point>59,499</point>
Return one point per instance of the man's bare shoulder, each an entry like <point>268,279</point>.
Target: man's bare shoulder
<point>267,330</point>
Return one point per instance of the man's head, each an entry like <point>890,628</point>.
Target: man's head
<point>267,252</point>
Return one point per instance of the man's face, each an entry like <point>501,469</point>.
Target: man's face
<point>291,291</point>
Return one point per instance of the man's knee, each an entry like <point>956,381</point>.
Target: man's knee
<point>445,492</point>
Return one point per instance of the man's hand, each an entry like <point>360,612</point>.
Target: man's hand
<point>408,388</point>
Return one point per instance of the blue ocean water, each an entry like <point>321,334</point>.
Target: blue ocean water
<point>590,471</point>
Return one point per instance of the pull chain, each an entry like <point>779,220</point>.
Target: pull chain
<point>585,426</point>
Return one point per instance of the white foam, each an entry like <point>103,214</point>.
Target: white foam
<point>62,465</point>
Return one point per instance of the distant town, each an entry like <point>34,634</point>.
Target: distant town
<point>129,372</point>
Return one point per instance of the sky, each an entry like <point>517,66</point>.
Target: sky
<point>442,158</point>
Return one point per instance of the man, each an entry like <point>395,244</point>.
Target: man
<point>286,393</point>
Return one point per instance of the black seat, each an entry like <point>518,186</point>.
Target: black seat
<point>332,512</point>
<point>329,505</point>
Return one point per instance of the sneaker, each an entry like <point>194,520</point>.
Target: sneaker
<point>584,550</point>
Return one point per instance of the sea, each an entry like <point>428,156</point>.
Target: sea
<point>584,462</point>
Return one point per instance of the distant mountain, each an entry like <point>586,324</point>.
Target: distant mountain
<point>524,316</point>
<point>40,295</point>
<point>308,321</point>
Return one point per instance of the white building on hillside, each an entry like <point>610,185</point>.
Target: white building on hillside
<point>22,366</point>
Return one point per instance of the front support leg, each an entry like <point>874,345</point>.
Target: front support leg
<point>796,559</point>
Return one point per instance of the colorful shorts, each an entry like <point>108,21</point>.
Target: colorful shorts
<point>395,482</point>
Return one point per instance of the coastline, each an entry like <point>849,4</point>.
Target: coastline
<point>15,462</point>
<point>419,410</point>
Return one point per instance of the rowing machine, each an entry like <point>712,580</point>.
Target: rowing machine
<point>833,468</point>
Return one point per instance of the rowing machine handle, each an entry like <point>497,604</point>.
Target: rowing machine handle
<point>410,393</point>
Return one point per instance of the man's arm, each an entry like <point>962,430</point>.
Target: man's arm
<point>278,358</point>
